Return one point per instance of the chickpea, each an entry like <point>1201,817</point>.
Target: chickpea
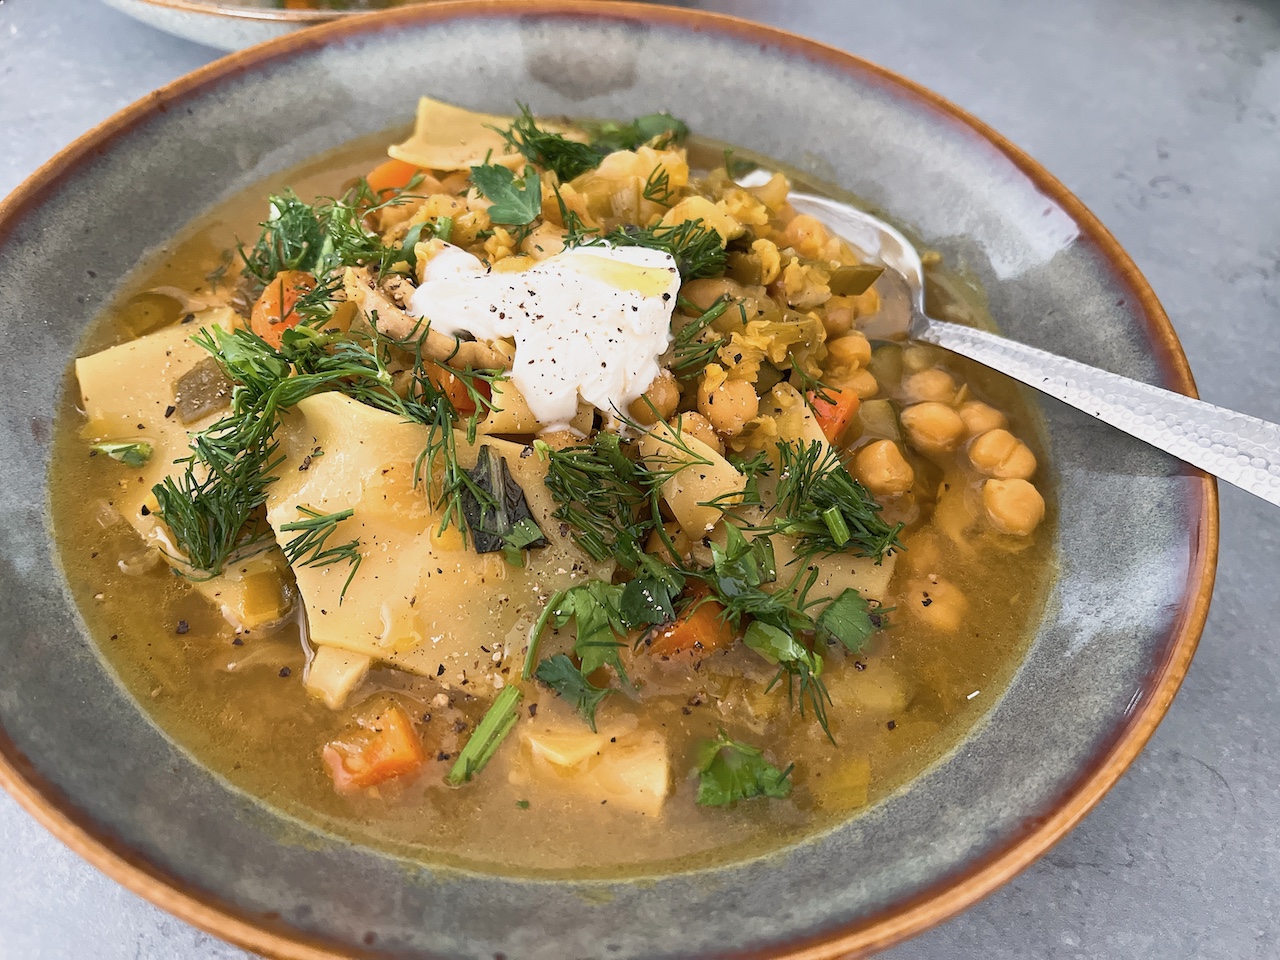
<point>933,384</point>
<point>938,603</point>
<point>1013,506</point>
<point>806,234</point>
<point>852,351</point>
<point>839,316</point>
<point>932,427</point>
<point>697,426</point>
<point>978,417</point>
<point>998,453</point>
<point>729,406</point>
<point>545,240</point>
<point>863,383</point>
<point>703,293</point>
<point>920,356</point>
<point>662,398</point>
<point>881,468</point>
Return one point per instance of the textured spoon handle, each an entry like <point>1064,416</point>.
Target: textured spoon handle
<point>1237,448</point>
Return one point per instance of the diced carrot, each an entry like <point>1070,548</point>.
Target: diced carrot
<point>700,629</point>
<point>383,746</point>
<point>455,389</point>
<point>274,312</point>
<point>834,415</point>
<point>391,176</point>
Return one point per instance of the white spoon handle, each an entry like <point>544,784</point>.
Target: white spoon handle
<point>1232,446</point>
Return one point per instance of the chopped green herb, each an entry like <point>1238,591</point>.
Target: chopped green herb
<point>559,673</point>
<point>691,351</point>
<point>492,729</point>
<point>729,771</point>
<point>658,187</point>
<point>131,454</point>
<point>848,619</point>
<point>516,202</point>
<point>821,503</point>
<point>697,248</point>
<point>496,510</point>
<point>553,151</point>
<point>656,129</point>
<point>308,548</point>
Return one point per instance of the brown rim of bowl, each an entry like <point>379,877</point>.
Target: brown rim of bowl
<point>945,898</point>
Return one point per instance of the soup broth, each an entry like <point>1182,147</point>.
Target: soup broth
<point>962,601</point>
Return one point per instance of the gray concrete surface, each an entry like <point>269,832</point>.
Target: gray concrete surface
<point>1163,118</point>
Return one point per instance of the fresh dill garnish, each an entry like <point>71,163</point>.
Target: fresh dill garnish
<point>559,673</point>
<point>516,202</point>
<point>565,157</point>
<point>498,721</point>
<point>658,187</point>
<point>692,353</point>
<point>697,248</point>
<point>729,770</point>
<point>292,238</point>
<point>133,453</point>
<point>310,547</point>
<point>599,492</point>
<point>658,130</point>
<point>820,503</point>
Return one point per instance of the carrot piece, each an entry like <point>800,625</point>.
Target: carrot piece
<point>700,629</point>
<point>274,312</point>
<point>834,415</point>
<point>455,389</point>
<point>391,176</point>
<point>383,746</point>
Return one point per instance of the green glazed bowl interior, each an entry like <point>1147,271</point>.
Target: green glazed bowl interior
<point>1120,625</point>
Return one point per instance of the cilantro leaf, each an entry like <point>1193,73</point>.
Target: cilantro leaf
<point>848,618</point>
<point>515,202</point>
<point>729,770</point>
<point>565,679</point>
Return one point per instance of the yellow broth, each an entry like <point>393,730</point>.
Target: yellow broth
<point>238,705</point>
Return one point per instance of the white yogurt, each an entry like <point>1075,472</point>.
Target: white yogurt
<point>590,322</point>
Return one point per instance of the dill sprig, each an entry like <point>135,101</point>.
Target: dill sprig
<point>691,352</point>
<point>697,248</point>
<point>310,547</point>
<point>552,151</point>
<point>658,186</point>
<point>819,502</point>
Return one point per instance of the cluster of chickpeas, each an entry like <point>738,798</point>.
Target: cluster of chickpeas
<point>939,420</point>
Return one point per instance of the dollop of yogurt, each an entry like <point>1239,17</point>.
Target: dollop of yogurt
<point>589,322</point>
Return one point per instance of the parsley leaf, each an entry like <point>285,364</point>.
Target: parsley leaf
<point>492,729</point>
<point>515,202</point>
<point>648,600</point>
<point>565,679</point>
<point>594,608</point>
<point>729,770</point>
<point>848,619</point>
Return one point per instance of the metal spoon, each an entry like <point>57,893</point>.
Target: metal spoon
<point>1234,447</point>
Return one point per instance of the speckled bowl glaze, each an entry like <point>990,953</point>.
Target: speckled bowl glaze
<point>1121,623</point>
